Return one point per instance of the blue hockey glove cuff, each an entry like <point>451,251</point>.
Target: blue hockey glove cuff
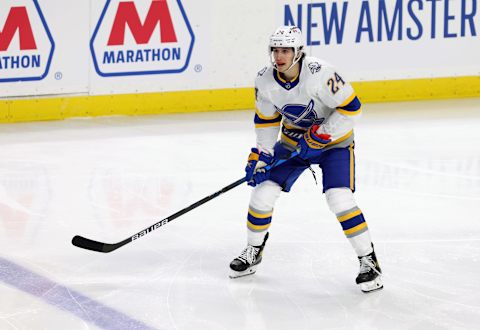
<point>311,144</point>
<point>259,176</point>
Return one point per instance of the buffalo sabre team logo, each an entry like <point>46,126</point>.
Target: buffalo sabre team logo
<point>142,37</point>
<point>26,45</point>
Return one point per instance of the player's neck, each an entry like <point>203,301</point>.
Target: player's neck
<point>291,73</point>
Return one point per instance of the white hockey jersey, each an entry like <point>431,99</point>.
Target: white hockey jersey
<point>318,95</point>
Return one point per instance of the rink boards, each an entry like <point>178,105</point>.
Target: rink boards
<point>129,57</point>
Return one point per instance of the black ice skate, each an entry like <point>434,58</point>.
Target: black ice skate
<point>369,276</point>
<point>246,263</point>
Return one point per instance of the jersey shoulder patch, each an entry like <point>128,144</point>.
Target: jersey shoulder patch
<point>264,78</point>
<point>262,72</point>
<point>314,64</point>
<point>314,67</point>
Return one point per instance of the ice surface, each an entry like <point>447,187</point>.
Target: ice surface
<point>418,184</point>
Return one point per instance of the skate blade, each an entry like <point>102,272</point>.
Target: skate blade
<point>249,271</point>
<point>374,285</point>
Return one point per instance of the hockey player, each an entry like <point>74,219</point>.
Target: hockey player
<point>314,109</point>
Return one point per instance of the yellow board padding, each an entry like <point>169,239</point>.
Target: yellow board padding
<point>51,108</point>
<point>417,89</point>
<point>47,108</point>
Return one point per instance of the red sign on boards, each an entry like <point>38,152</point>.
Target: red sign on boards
<point>17,20</point>
<point>127,16</point>
<point>26,45</point>
<point>140,37</point>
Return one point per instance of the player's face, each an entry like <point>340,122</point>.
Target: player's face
<point>283,58</point>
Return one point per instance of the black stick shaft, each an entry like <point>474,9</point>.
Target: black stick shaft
<point>86,243</point>
<point>187,209</point>
<point>206,199</point>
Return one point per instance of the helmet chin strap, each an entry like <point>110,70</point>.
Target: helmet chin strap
<point>294,62</point>
<point>298,56</point>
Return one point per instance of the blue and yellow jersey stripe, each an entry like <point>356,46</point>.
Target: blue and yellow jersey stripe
<point>351,106</point>
<point>291,142</point>
<point>261,120</point>
<point>340,139</point>
<point>290,135</point>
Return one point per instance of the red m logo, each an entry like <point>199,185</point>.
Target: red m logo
<point>127,15</point>
<point>17,19</point>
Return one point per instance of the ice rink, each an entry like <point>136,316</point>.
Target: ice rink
<point>418,184</point>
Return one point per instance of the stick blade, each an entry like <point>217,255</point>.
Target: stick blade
<point>86,243</point>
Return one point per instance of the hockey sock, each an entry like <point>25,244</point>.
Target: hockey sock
<point>260,211</point>
<point>342,203</point>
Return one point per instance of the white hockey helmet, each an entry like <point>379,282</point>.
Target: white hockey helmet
<point>290,37</point>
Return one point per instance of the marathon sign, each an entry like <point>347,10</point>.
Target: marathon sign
<point>140,37</point>
<point>26,45</point>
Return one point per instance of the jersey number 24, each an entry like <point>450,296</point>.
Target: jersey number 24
<point>334,82</point>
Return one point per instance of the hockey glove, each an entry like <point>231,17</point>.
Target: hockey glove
<point>259,176</point>
<point>311,144</point>
<point>256,160</point>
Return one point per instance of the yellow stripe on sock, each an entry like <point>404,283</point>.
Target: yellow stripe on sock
<point>255,227</point>
<point>355,229</point>
<point>350,215</point>
<point>260,215</point>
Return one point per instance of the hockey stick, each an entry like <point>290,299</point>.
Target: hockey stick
<point>86,243</point>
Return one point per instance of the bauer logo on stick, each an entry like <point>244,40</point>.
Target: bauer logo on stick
<point>152,228</point>
<point>26,45</point>
<point>142,37</point>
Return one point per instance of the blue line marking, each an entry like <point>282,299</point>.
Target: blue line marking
<point>66,299</point>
